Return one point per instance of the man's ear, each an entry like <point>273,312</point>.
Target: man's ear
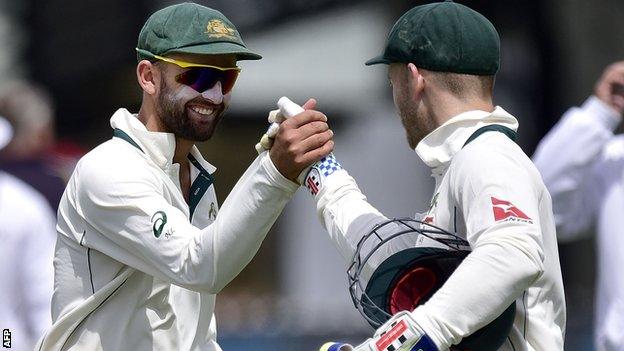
<point>148,77</point>
<point>415,80</point>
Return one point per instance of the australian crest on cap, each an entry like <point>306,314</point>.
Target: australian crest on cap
<point>216,28</point>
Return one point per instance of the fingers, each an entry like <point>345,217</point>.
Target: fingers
<point>317,154</point>
<point>312,128</point>
<point>316,141</point>
<point>304,117</point>
<point>612,76</point>
<point>610,86</point>
<point>310,104</point>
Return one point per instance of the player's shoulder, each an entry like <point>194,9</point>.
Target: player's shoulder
<point>112,161</point>
<point>23,198</point>
<point>491,149</point>
<point>493,155</point>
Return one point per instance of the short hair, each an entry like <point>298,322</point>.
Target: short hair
<point>464,85</point>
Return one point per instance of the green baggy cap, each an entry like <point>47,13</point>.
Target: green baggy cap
<point>191,29</point>
<point>443,37</point>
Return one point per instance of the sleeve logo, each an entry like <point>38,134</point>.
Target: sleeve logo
<point>313,181</point>
<point>505,210</point>
<point>159,219</point>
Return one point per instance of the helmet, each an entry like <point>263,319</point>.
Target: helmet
<point>408,276</point>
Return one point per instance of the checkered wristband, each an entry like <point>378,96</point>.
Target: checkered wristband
<point>316,174</point>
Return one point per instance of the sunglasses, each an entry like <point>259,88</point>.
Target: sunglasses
<point>203,77</point>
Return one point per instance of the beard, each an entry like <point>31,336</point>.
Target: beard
<point>416,121</point>
<point>178,118</point>
<point>417,126</point>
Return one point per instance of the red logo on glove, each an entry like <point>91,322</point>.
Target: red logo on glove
<point>505,209</point>
<point>391,335</point>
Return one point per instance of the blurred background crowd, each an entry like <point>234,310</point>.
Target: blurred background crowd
<point>67,65</point>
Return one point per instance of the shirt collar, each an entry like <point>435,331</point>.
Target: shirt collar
<point>158,146</point>
<point>438,147</point>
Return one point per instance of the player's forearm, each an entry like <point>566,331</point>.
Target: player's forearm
<point>345,212</point>
<point>245,218</point>
<point>574,142</point>
<point>565,157</point>
<point>500,272</point>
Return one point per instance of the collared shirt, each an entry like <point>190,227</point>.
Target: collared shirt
<point>582,163</point>
<point>489,193</point>
<point>136,266</point>
<point>27,236</point>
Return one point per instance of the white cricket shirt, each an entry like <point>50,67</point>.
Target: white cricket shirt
<point>490,194</point>
<point>136,267</point>
<point>27,239</point>
<point>582,163</point>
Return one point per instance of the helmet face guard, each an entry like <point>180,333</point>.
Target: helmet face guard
<point>409,276</point>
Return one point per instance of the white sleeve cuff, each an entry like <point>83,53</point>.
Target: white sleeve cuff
<point>605,114</point>
<point>274,175</point>
<point>425,324</point>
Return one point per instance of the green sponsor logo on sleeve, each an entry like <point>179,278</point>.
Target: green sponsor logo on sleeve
<point>159,219</point>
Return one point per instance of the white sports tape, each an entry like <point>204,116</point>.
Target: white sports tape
<point>288,108</point>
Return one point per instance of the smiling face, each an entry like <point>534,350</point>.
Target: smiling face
<point>189,114</point>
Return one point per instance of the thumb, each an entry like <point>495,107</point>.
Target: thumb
<point>309,105</point>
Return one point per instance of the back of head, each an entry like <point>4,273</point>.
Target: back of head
<point>463,86</point>
<point>457,45</point>
<point>444,37</point>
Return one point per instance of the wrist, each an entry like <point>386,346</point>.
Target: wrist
<point>314,176</point>
<point>275,175</point>
<point>605,113</point>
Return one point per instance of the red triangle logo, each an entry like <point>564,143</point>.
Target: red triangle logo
<point>505,209</point>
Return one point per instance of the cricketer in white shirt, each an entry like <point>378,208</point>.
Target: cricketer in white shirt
<point>489,193</point>
<point>582,163</point>
<point>136,267</point>
<point>27,236</point>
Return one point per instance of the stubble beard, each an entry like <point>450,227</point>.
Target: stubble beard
<point>416,122</point>
<point>174,116</point>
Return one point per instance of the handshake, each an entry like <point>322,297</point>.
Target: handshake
<point>297,139</point>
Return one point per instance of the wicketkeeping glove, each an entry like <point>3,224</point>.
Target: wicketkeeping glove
<point>399,333</point>
<point>286,109</point>
<point>266,141</point>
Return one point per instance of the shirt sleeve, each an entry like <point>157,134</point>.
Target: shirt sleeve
<point>348,217</point>
<point>135,224</point>
<point>610,241</point>
<point>37,271</point>
<point>567,158</point>
<point>499,200</point>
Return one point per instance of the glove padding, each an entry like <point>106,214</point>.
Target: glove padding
<point>287,109</point>
<point>266,141</point>
<point>399,333</point>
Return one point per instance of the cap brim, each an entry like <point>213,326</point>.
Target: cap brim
<point>381,59</point>
<point>6,132</point>
<point>219,48</point>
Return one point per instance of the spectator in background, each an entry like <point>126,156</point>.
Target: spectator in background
<point>582,163</point>
<point>27,234</point>
<point>34,155</point>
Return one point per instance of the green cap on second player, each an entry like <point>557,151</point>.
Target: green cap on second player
<point>443,37</point>
<point>192,29</point>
